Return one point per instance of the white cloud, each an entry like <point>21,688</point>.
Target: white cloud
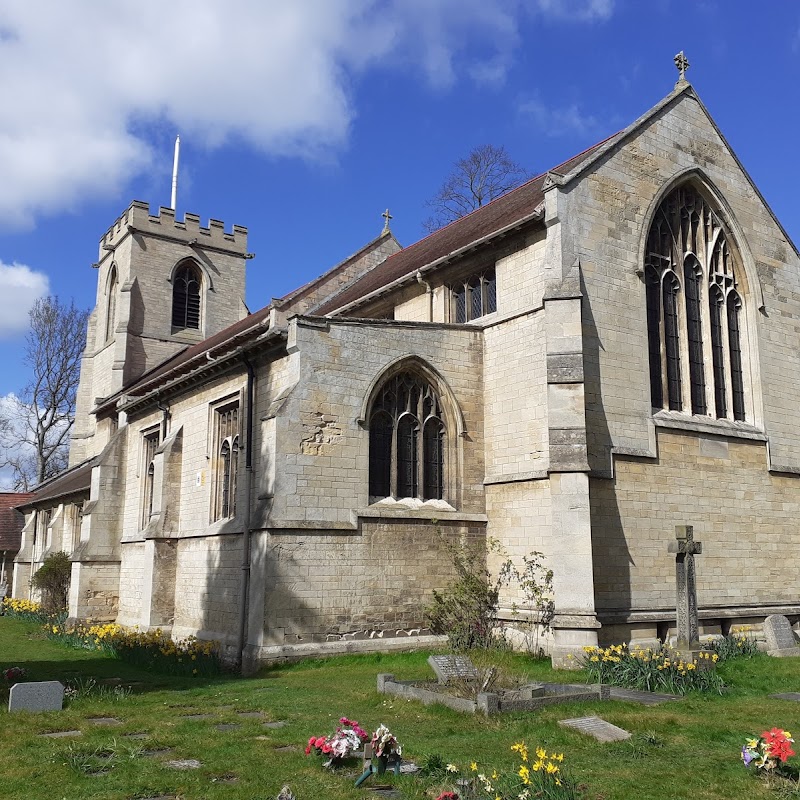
<point>577,10</point>
<point>566,120</point>
<point>84,83</point>
<point>20,286</point>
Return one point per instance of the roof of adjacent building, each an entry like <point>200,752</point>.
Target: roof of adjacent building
<point>73,481</point>
<point>11,520</point>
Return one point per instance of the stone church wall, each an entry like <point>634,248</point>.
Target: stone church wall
<point>130,583</point>
<point>323,586</point>
<point>745,517</point>
<point>207,587</point>
<point>610,215</point>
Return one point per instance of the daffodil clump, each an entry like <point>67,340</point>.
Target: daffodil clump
<point>22,609</point>
<point>153,649</point>
<point>652,670</point>
<point>539,774</point>
<point>736,645</point>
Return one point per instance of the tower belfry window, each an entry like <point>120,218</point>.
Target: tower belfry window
<point>186,298</point>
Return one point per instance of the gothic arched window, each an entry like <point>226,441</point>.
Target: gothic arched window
<point>701,316</point>
<point>407,440</point>
<point>111,303</point>
<point>186,298</point>
<point>226,468</point>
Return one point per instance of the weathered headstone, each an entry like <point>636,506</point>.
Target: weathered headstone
<point>184,763</point>
<point>453,668</point>
<point>780,637</point>
<point>685,549</point>
<point>597,728</point>
<point>36,696</point>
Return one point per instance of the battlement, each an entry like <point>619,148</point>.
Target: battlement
<point>137,219</point>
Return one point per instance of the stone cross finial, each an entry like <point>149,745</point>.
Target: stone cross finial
<point>685,549</point>
<point>682,63</point>
<point>386,216</point>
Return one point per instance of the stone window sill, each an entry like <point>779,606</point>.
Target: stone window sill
<point>677,420</point>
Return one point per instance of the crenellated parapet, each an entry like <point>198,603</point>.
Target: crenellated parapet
<point>138,219</point>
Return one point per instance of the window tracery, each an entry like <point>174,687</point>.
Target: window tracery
<point>475,296</point>
<point>226,467</point>
<point>694,310</point>
<point>407,439</point>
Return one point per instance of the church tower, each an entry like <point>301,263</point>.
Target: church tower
<point>162,285</point>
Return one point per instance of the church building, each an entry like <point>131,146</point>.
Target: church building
<point>600,355</point>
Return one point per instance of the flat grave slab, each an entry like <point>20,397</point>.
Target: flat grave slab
<point>795,696</point>
<point>183,763</point>
<point>275,725</point>
<point>643,698</point>
<point>104,721</point>
<point>780,637</point>
<point>453,668</point>
<point>250,714</point>
<point>36,696</point>
<point>60,734</point>
<point>228,726</point>
<point>597,728</point>
<point>135,735</point>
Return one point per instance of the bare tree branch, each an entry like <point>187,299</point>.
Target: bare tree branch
<point>486,173</point>
<point>34,427</point>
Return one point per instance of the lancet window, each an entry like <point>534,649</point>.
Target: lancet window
<point>150,442</point>
<point>407,440</point>
<point>694,311</point>
<point>186,298</point>
<point>111,303</point>
<point>226,466</point>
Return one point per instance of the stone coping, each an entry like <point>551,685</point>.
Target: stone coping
<point>526,698</point>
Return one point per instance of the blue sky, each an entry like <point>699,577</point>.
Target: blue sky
<point>304,120</point>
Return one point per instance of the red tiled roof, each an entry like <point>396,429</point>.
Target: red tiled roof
<point>504,211</point>
<point>11,520</point>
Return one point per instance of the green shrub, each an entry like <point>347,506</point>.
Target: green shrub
<point>466,610</point>
<point>52,579</point>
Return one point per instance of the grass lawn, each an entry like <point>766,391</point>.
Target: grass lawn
<point>686,749</point>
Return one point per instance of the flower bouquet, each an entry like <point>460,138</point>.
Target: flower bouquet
<point>348,738</point>
<point>768,751</point>
<point>385,744</point>
<point>13,674</point>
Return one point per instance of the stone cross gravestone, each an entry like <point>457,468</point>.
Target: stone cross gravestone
<point>685,549</point>
<point>780,637</point>
<point>36,696</point>
<point>453,668</point>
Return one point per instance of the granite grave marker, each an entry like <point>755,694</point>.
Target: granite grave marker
<point>36,696</point>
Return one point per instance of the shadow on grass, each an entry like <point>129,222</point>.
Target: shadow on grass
<point>24,644</point>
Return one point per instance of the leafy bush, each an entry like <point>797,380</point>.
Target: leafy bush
<point>651,670</point>
<point>466,610</point>
<point>53,578</point>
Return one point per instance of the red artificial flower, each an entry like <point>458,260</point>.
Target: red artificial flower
<point>320,741</point>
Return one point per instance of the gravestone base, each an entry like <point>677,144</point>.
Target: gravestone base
<point>793,652</point>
